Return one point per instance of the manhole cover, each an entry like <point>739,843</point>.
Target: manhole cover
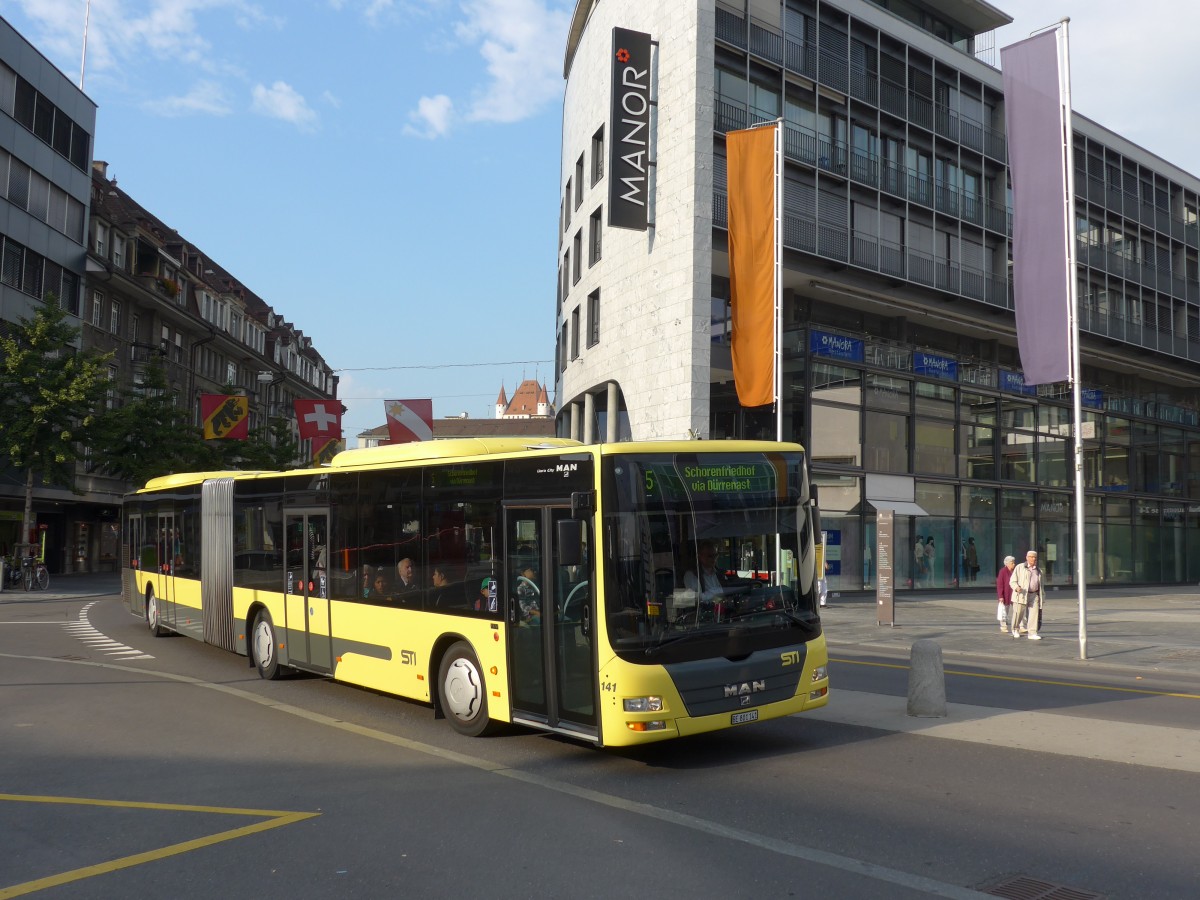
<point>1024,888</point>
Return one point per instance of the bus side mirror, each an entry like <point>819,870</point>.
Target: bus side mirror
<point>570,542</point>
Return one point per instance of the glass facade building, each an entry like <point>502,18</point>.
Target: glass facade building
<point>900,360</point>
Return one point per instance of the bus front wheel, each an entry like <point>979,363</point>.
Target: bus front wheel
<point>263,646</point>
<point>462,693</point>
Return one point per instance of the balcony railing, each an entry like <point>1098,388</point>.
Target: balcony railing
<point>801,56</point>
<point>731,28</point>
<point>766,42</point>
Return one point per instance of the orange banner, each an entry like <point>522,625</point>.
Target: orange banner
<point>225,417</point>
<point>751,192</point>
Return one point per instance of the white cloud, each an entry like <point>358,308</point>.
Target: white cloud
<point>432,117</point>
<point>281,101</point>
<point>1126,70</point>
<point>522,42</point>
<point>205,98</point>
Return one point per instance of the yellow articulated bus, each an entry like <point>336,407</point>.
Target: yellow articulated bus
<point>619,594</point>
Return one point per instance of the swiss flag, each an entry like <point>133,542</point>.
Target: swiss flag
<point>319,419</point>
<point>409,420</point>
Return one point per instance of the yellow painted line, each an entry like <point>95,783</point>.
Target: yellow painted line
<point>1018,678</point>
<point>275,819</point>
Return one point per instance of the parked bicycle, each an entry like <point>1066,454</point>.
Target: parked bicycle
<point>28,572</point>
<point>13,574</point>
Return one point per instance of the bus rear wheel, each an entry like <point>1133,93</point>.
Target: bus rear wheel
<point>263,646</point>
<point>462,692</point>
<point>154,615</point>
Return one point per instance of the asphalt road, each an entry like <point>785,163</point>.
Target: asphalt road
<point>134,766</point>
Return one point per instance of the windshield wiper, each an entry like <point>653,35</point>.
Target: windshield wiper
<point>686,636</point>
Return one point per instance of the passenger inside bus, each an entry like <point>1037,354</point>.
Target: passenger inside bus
<point>529,597</point>
<point>440,593</point>
<point>378,590</point>
<point>406,577</point>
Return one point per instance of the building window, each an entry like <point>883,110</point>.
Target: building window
<point>110,399</point>
<point>598,155</point>
<point>118,253</point>
<point>97,309</point>
<point>14,259</point>
<point>575,333</point>
<point>562,349</point>
<point>114,317</point>
<point>594,238</point>
<point>178,346</point>
<point>165,341</point>
<point>579,181</point>
<point>101,240</point>
<point>577,250</point>
<point>593,318</point>
<point>70,293</point>
<point>566,273</point>
<point>567,206</point>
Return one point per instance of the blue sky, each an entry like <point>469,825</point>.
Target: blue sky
<point>385,173</point>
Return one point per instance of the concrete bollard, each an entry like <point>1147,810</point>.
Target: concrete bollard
<point>926,680</point>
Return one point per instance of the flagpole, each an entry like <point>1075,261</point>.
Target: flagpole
<point>1073,295</point>
<point>87,15</point>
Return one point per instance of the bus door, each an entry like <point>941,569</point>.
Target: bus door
<point>131,543</point>
<point>310,641</point>
<point>166,548</point>
<point>551,618</point>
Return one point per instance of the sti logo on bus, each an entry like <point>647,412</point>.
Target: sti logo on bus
<point>629,117</point>
<point>408,657</point>
<point>790,657</point>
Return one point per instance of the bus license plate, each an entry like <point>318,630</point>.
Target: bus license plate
<point>739,718</point>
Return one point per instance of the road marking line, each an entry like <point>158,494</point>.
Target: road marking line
<point>275,819</point>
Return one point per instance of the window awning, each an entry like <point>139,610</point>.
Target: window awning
<point>899,507</point>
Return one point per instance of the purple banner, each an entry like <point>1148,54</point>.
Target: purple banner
<point>1035,118</point>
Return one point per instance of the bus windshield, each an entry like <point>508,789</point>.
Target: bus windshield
<point>708,555</point>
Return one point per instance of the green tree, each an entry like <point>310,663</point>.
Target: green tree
<point>149,434</point>
<point>272,447</point>
<point>50,398</point>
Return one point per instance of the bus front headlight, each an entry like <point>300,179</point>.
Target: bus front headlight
<point>643,704</point>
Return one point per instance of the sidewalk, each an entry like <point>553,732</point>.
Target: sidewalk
<point>67,587</point>
<point>1143,629</point>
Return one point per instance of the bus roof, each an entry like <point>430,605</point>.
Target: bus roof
<point>181,479</point>
<point>626,447</point>
<point>449,449</point>
<point>464,448</point>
